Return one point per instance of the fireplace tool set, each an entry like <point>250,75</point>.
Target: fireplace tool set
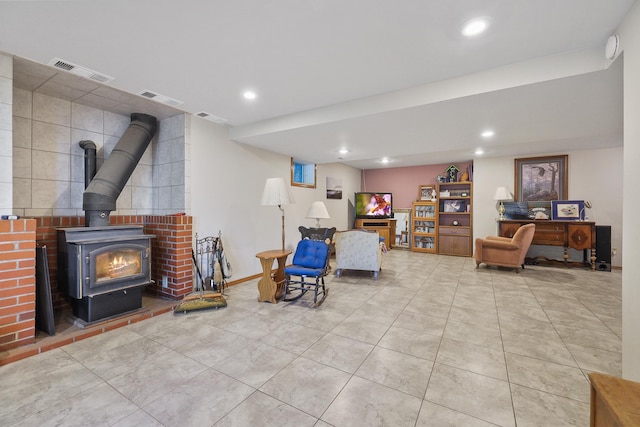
<point>213,270</point>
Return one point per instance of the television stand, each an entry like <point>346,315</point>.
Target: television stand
<point>385,227</point>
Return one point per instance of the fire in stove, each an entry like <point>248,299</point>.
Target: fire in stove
<point>117,264</point>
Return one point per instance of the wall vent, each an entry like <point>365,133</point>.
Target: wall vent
<point>78,70</point>
<point>160,98</point>
<point>211,117</point>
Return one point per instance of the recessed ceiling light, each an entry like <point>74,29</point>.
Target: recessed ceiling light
<point>479,151</point>
<point>475,26</point>
<point>249,94</point>
<point>487,133</point>
<point>384,160</point>
<point>343,151</point>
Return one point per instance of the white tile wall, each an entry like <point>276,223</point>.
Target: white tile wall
<point>5,142</point>
<point>115,124</point>
<point>48,163</point>
<point>6,89</point>
<point>50,166</point>
<point>21,194</point>
<point>51,137</point>
<point>169,166</point>
<point>5,116</point>
<point>6,66</point>
<point>22,103</point>
<point>6,134</point>
<point>51,110</point>
<point>124,200</point>
<point>87,118</point>
<point>6,165</point>
<point>21,132</point>
<point>6,198</point>
<point>50,194</point>
<point>21,163</point>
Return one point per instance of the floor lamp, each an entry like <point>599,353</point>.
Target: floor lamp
<point>276,193</point>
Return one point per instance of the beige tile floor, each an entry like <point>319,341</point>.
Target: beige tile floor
<point>433,342</point>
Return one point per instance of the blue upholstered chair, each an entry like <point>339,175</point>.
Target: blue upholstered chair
<point>310,265</point>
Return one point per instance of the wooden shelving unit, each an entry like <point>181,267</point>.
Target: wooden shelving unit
<point>424,226</point>
<point>455,218</point>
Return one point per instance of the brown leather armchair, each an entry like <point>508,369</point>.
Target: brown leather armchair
<point>503,251</point>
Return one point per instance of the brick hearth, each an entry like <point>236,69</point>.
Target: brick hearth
<point>171,258</point>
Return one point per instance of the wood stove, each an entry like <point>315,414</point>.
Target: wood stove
<point>104,269</point>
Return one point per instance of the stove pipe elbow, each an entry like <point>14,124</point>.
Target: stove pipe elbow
<point>99,198</point>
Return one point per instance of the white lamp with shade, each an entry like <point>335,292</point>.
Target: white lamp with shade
<point>276,193</point>
<point>318,211</point>
<point>502,195</point>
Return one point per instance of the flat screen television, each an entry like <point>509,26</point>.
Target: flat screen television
<point>373,205</point>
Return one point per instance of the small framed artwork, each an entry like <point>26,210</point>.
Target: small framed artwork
<point>454,206</point>
<point>539,210</point>
<point>425,192</point>
<point>567,210</point>
<point>334,188</point>
<point>516,210</point>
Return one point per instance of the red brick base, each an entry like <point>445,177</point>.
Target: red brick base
<point>170,258</point>
<point>17,282</point>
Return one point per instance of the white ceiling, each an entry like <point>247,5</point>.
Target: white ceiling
<point>382,78</point>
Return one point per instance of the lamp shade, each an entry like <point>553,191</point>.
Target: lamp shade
<point>276,193</point>
<point>502,193</point>
<point>318,211</point>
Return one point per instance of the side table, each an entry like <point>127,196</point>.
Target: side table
<point>272,288</point>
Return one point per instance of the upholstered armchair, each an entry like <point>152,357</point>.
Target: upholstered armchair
<point>503,251</point>
<point>358,250</point>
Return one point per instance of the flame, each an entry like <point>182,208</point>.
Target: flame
<point>119,262</point>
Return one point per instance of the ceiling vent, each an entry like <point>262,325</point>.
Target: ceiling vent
<point>160,98</point>
<point>211,117</point>
<point>61,64</point>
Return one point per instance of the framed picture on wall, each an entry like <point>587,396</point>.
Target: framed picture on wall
<point>540,179</point>
<point>334,188</point>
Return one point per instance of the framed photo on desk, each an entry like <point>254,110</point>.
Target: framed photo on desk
<point>567,210</point>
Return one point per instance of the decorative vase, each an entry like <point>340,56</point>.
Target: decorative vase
<point>464,176</point>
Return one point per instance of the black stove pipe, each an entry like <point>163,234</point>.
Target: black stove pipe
<point>89,148</point>
<point>99,199</point>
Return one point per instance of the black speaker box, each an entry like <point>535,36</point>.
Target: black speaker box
<point>603,247</point>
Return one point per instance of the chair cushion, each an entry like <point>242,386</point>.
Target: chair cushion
<point>311,254</point>
<point>296,270</point>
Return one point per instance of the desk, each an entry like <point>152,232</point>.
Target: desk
<point>271,289</point>
<point>580,235</point>
<point>614,401</point>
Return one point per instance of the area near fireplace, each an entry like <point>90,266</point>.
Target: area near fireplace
<point>171,259</point>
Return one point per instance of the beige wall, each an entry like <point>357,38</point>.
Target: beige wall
<point>227,179</point>
<point>594,175</point>
<point>630,40</point>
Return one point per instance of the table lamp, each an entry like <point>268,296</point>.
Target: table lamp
<point>502,195</point>
<point>276,193</point>
<point>318,210</point>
